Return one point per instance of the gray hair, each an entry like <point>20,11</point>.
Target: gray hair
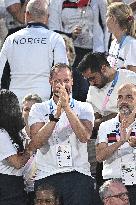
<point>105,190</point>
<point>32,97</point>
<point>37,8</point>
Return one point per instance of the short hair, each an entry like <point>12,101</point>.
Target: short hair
<point>93,61</point>
<point>37,8</point>
<point>32,97</point>
<point>59,66</point>
<point>105,190</point>
<point>48,187</point>
<point>124,16</point>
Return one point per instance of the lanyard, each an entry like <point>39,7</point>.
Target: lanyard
<point>52,108</point>
<point>120,46</point>
<point>110,91</point>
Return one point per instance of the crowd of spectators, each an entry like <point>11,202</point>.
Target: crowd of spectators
<point>67,102</point>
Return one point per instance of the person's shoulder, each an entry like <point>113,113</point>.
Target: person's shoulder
<point>109,123</point>
<point>83,105</point>
<point>125,73</point>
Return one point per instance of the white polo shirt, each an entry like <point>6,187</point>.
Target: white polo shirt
<point>7,149</point>
<point>96,96</point>
<point>31,53</point>
<point>124,56</point>
<point>124,154</point>
<point>46,158</point>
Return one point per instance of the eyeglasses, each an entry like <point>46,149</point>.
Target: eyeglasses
<point>121,196</point>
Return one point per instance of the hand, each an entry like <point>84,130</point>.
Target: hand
<point>77,30</point>
<point>124,132</point>
<point>63,95</point>
<point>132,141</point>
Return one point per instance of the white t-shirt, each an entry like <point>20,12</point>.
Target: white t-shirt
<point>125,56</point>
<point>96,96</point>
<point>31,53</point>
<point>46,158</point>
<point>92,35</point>
<point>125,154</point>
<point>7,149</point>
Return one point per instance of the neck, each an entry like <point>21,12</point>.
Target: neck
<point>119,34</point>
<point>112,73</point>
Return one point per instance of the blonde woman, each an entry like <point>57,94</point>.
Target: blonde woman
<point>121,23</point>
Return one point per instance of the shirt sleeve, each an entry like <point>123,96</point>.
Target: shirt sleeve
<point>7,149</point>
<point>102,133</point>
<point>87,112</point>
<point>37,114</point>
<point>59,48</point>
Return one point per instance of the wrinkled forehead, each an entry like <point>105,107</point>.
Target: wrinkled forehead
<point>127,89</point>
<point>117,188</point>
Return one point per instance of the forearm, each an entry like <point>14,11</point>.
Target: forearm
<point>42,136</point>
<point>18,11</point>
<point>103,154</point>
<point>79,129</point>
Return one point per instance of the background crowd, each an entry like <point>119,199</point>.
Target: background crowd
<point>67,102</point>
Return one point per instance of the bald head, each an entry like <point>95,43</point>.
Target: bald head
<point>37,11</point>
<point>126,101</point>
<point>128,86</point>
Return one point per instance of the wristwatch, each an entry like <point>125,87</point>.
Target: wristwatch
<point>52,118</point>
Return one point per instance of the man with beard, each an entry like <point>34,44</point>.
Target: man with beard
<point>104,84</point>
<point>61,127</point>
<point>116,142</point>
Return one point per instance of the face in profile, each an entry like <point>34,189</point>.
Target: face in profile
<point>45,197</point>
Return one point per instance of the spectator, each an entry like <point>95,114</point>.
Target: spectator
<point>46,194</point>
<point>15,20</point>
<point>30,167</point>
<point>13,156</point>
<point>113,192</point>
<point>121,24</point>
<point>80,20</point>
<point>61,127</point>
<point>15,16</point>
<point>27,102</point>
<point>104,84</point>
<point>31,53</point>
<point>116,143</point>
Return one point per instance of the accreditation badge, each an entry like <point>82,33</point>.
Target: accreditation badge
<point>64,155</point>
<point>128,173</point>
